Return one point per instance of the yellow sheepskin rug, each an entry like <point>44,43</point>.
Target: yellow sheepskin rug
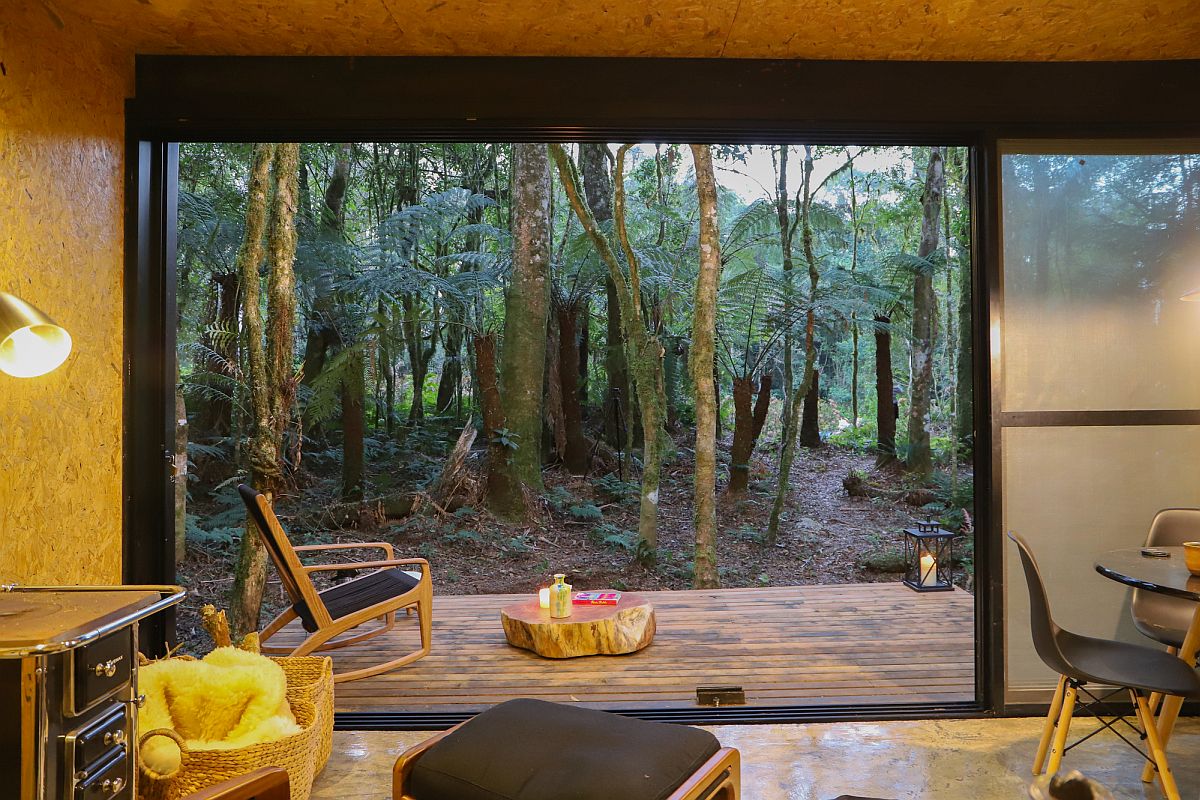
<point>229,699</point>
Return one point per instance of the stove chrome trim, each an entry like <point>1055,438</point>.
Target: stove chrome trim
<point>171,596</point>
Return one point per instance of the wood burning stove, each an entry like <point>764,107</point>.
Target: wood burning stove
<point>68,689</point>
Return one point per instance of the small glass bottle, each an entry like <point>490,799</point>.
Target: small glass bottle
<point>560,597</point>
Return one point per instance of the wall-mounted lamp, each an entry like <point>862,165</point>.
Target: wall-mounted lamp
<point>31,344</point>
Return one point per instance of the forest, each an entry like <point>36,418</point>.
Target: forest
<point>646,365</point>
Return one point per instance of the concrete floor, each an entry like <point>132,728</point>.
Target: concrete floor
<point>931,760</point>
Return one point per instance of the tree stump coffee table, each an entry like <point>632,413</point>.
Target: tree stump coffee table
<point>625,627</point>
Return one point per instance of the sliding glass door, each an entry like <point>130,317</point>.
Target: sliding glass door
<point>1096,365</point>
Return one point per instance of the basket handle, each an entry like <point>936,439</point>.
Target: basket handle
<point>170,734</point>
<point>167,732</point>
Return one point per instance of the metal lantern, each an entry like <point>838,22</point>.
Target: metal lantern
<point>929,557</point>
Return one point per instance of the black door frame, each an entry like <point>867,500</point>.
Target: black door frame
<point>973,104</point>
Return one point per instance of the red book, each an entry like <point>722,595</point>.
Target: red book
<point>596,598</point>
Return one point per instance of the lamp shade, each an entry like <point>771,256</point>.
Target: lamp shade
<point>31,343</point>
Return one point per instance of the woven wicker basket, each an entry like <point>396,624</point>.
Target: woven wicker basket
<point>303,754</point>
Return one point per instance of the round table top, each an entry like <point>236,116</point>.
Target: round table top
<point>1168,576</point>
<point>530,611</point>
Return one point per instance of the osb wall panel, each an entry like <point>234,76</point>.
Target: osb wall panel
<point>1004,30</point>
<point>61,150</point>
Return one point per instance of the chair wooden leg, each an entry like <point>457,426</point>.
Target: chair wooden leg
<point>1064,727</point>
<point>1171,705</point>
<point>1051,722</point>
<point>425,620</point>
<point>1166,779</point>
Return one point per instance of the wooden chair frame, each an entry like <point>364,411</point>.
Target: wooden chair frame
<point>329,633</point>
<point>268,783</point>
<point>719,778</point>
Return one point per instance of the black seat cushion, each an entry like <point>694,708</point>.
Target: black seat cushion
<point>357,594</point>
<point>534,750</point>
<point>1123,664</point>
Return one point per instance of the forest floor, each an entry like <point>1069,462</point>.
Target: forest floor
<point>586,528</point>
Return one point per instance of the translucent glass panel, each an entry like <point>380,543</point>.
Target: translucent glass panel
<point>1097,249</point>
<point>1074,493</point>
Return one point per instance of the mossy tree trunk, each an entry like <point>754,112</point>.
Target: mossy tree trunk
<point>526,313</point>
<point>704,325</point>
<point>964,411</point>
<point>796,400</point>
<point>503,491</point>
<point>885,404</point>
<point>322,336</point>
<point>645,353</point>
<point>785,243</point>
<point>575,445</point>
<point>271,373</point>
<point>924,327</point>
<point>598,188</point>
<point>353,428</point>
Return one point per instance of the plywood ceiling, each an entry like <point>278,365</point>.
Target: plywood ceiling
<point>1008,30</point>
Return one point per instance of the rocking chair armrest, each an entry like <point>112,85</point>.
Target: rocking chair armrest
<point>361,565</point>
<point>386,547</point>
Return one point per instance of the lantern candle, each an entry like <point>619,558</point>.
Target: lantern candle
<point>544,598</point>
<point>929,557</point>
<point>928,576</point>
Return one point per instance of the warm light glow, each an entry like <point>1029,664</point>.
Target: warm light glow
<point>544,598</point>
<point>928,570</point>
<point>34,350</point>
<point>1192,296</point>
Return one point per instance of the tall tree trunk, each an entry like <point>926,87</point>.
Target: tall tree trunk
<point>271,375</point>
<point>645,352</point>
<point>748,423</point>
<point>886,409</point>
<point>704,325</point>
<point>575,447</point>
<point>920,454</point>
<point>854,221</point>
<point>792,409</point>
<point>418,360</point>
<point>597,187</point>
<point>451,377</point>
<point>250,573</point>
<point>503,491</point>
<point>964,418</point>
<point>554,437</point>
<point>810,423</point>
<point>526,312</point>
<point>323,337</point>
<point>584,327</point>
<point>785,243</point>
<point>671,365</point>
<point>281,291</point>
<point>353,429</point>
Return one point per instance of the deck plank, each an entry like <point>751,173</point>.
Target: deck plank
<point>805,645</point>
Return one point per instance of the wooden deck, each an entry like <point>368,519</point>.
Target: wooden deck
<point>808,645</point>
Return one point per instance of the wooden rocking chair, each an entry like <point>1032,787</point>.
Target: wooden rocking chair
<point>328,614</point>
